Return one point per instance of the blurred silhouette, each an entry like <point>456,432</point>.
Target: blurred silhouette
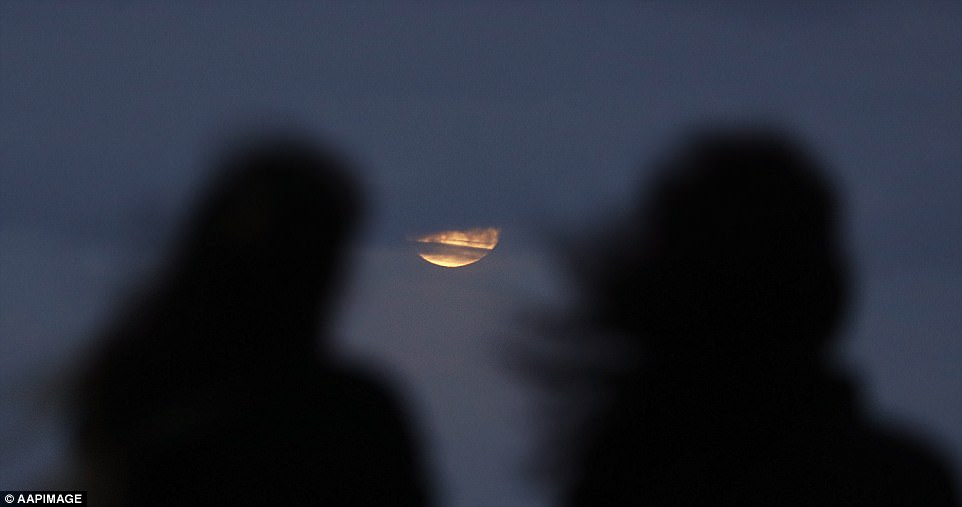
<point>213,390</point>
<point>722,297</point>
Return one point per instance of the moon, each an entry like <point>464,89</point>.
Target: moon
<point>457,248</point>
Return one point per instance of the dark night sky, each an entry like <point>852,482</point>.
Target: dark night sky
<point>515,114</point>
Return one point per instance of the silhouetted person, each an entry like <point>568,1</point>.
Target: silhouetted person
<point>214,390</point>
<point>728,287</point>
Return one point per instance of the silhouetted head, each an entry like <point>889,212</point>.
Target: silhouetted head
<point>243,296</point>
<point>277,217</point>
<point>262,254</point>
<point>734,255</point>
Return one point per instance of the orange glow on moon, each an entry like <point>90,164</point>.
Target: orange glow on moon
<point>457,248</point>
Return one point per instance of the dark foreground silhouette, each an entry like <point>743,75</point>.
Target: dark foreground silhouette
<point>214,390</point>
<point>726,289</point>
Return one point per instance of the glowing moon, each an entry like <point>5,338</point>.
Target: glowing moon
<point>457,248</point>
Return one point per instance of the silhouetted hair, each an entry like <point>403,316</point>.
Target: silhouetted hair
<point>212,390</point>
<point>738,239</point>
<point>213,360</point>
<point>708,313</point>
<point>277,217</point>
<point>267,242</point>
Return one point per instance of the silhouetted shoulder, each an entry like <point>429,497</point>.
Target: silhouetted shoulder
<point>908,471</point>
<point>311,436</point>
<point>364,388</point>
<point>379,461</point>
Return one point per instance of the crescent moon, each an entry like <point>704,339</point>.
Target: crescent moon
<point>457,248</point>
